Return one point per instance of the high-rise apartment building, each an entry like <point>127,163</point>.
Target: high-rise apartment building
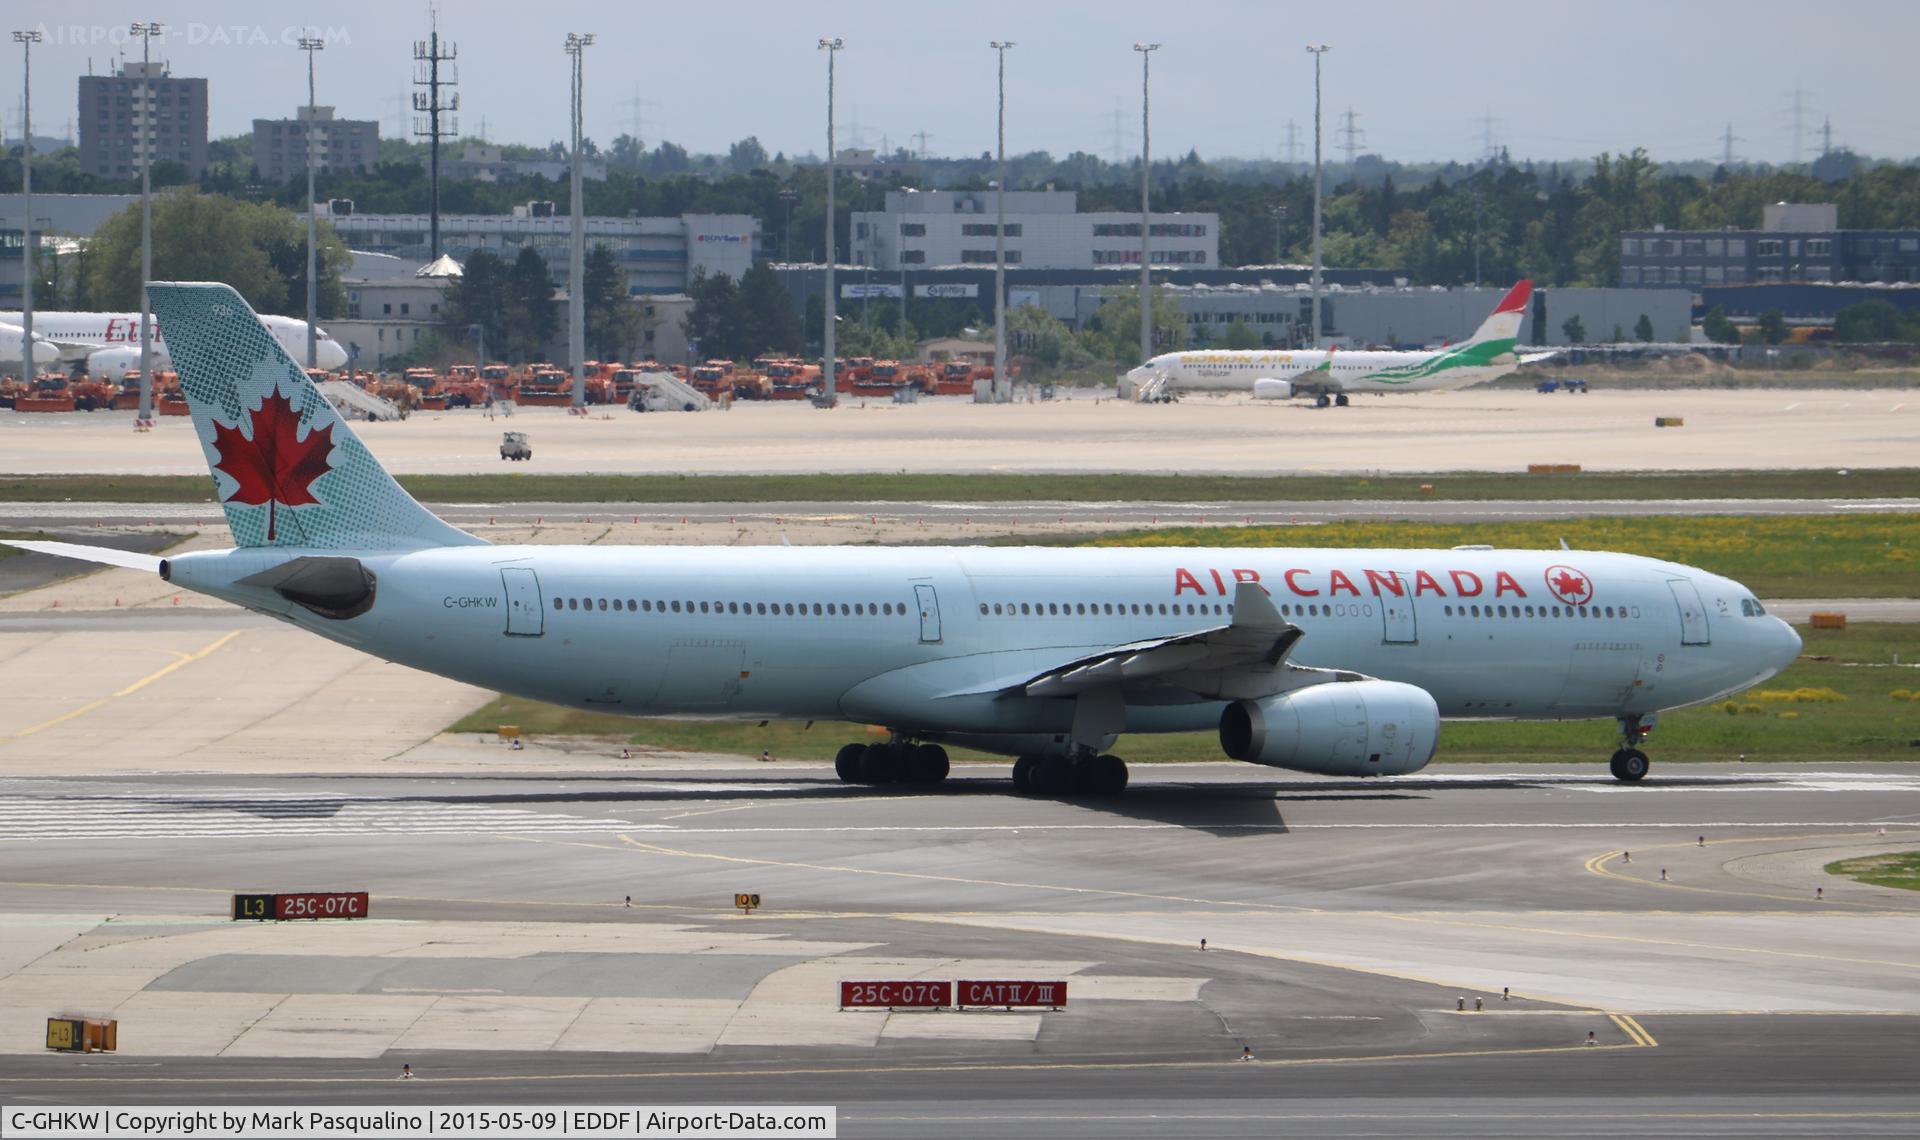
<point>143,110</point>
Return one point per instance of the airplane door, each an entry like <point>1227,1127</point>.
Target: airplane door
<point>929,611</point>
<point>526,617</point>
<point>1396,613</point>
<point>1693,615</point>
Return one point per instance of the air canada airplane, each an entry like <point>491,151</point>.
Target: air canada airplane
<point>1329,375</point>
<point>110,342</point>
<point>1331,661</point>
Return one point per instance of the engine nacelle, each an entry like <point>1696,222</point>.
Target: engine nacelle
<point>114,363</point>
<point>1341,728</point>
<point>1267,388</point>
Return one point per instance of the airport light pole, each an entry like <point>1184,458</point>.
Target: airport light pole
<point>832,47</point>
<point>146,30</point>
<point>1146,218</point>
<point>1318,50</point>
<point>26,40</point>
<point>1001,391</point>
<point>576,47</point>
<point>310,44</point>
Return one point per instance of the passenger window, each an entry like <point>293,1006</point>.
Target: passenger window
<point>703,607</point>
<point>1023,607</point>
<point>559,603</point>
<point>616,604</point>
<point>603,601</point>
<point>646,604</point>
<point>1474,610</point>
<point>1052,608</point>
<point>631,606</point>
<point>573,603</point>
<point>789,609</point>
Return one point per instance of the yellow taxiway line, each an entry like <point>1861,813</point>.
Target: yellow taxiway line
<point>185,659</point>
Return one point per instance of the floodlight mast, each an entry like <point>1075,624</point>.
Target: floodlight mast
<point>1146,218</point>
<point>1001,388</point>
<point>576,47</point>
<point>829,395</point>
<point>26,40</point>
<point>146,30</point>
<point>310,45</point>
<point>1318,50</point>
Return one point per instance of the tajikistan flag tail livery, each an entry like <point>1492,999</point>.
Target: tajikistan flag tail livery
<point>286,469</point>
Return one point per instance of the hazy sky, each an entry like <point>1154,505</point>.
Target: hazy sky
<point>1559,79</point>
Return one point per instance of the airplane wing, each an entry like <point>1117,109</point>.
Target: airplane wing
<point>1245,658</point>
<point>1535,357</point>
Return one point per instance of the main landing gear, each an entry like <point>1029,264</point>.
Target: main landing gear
<point>1629,764</point>
<point>1323,400</point>
<point>1066,776</point>
<point>898,761</point>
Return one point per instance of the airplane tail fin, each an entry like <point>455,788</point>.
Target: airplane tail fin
<point>1504,322</point>
<point>286,469</point>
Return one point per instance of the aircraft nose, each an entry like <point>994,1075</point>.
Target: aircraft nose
<point>1783,645</point>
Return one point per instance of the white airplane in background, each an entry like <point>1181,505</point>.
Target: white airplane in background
<point>1333,661</point>
<point>1329,375</point>
<point>13,341</point>
<point>110,342</point>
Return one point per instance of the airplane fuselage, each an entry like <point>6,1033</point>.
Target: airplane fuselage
<point>914,638</point>
<point>1317,370</point>
<point>82,335</point>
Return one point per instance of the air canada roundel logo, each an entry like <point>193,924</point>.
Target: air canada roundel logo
<point>1570,585</point>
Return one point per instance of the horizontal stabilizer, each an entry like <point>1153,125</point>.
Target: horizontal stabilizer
<point>105,555</point>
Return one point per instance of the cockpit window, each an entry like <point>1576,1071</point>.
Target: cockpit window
<point>1751,608</point>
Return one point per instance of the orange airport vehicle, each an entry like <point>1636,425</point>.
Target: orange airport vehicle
<point>543,385</point>
<point>714,378</point>
<point>48,393</point>
<point>882,378</point>
<point>790,379</point>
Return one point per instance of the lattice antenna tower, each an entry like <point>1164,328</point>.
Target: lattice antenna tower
<point>435,109</point>
<point>1350,136</point>
<point>1292,148</point>
<point>1727,139</point>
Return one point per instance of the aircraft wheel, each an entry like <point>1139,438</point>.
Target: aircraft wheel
<point>1054,777</point>
<point>1023,774</point>
<point>1629,765</point>
<point>846,764</point>
<point>1321,401</point>
<point>1340,401</point>
<point>927,764</point>
<point>879,764</point>
<point>1109,775</point>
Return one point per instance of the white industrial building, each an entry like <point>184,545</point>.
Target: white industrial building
<point>1045,230</point>
<point>660,255</point>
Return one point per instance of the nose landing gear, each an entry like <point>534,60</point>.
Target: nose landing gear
<point>1629,764</point>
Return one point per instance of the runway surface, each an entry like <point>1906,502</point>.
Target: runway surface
<point>1346,920</point>
<point>1473,430</point>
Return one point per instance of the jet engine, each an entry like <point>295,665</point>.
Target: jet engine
<point>1341,728</point>
<point>1267,388</point>
<point>114,363</point>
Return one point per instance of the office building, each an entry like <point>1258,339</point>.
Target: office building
<point>142,110</point>
<point>1045,230</point>
<point>343,145</point>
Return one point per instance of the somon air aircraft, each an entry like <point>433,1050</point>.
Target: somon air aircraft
<point>110,342</point>
<point>1332,661</point>
<point>1329,375</point>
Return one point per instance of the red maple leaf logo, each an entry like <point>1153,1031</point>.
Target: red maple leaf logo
<point>274,466</point>
<point>1569,585</point>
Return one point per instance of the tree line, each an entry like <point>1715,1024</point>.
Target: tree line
<point>1450,224</point>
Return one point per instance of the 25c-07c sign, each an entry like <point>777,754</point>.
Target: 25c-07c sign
<point>896,995</point>
<point>300,904</point>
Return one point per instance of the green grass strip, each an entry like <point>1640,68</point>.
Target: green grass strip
<point>1007,488</point>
